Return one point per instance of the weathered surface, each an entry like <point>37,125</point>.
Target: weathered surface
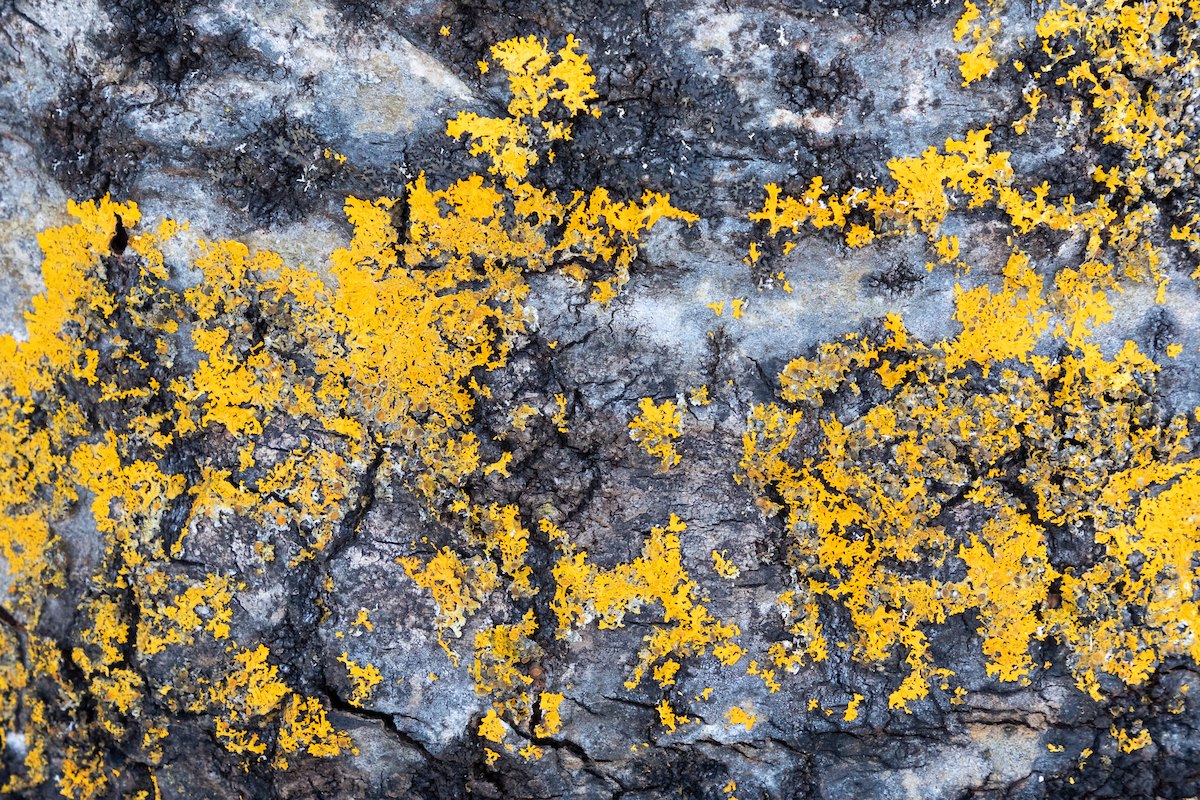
<point>559,500</point>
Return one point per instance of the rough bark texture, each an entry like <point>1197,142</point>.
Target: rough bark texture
<point>256,122</point>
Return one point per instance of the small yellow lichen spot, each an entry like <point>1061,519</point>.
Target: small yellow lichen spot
<point>946,248</point>
<point>1033,97</point>
<point>363,679</point>
<point>178,621</point>
<point>457,588</point>
<point>521,415</point>
<point>718,307</point>
<point>739,306</point>
<point>551,722</point>
<point>730,787</point>
<point>1128,742</point>
<point>305,727</point>
<point>603,292</point>
<point>363,620</point>
<point>729,653</point>
<point>238,741</point>
<point>444,31</point>
<point>500,652</point>
<point>699,396</point>
<point>723,566</point>
<point>491,756</point>
<point>978,62</point>
<point>852,708</point>
<point>767,676</point>
<point>739,716</point>
<point>858,235</point>
<point>492,728</point>
<point>483,67</point>
<point>656,428</point>
<point>560,413</point>
<point>665,672</point>
<point>963,25</point>
<point>500,465</point>
<point>253,689</point>
<point>1055,748</point>
<point>668,718</point>
<point>1173,350</point>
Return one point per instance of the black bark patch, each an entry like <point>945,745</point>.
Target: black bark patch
<point>87,143</point>
<point>160,40</point>
<point>278,172</point>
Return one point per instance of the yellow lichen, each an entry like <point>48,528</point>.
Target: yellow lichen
<point>656,428</point>
<point>305,727</point>
<point>363,679</point>
<point>979,61</point>
<point>492,728</point>
<point>500,653</point>
<point>864,507</point>
<point>737,715</point>
<point>501,532</point>
<point>457,588</point>
<point>585,593</point>
<point>203,607</point>
<point>723,566</point>
<point>851,713</point>
<point>859,518</point>
<point>668,718</point>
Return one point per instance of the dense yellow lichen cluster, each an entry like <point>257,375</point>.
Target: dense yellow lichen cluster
<point>969,175</point>
<point>1070,447</point>
<point>375,372</point>
<point>95,371</point>
<point>1117,74</point>
<point>985,431</point>
<point>1074,433</point>
<point>509,221</point>
<point>599,235</point>
<point>1129,75</point>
